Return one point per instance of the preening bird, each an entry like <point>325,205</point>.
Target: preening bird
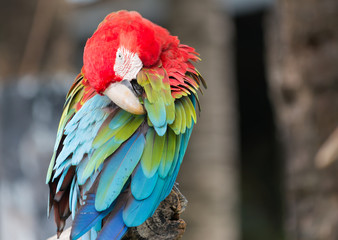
<point>124,129</point>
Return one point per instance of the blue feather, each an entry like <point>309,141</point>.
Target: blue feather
<point>176,167</point>
<point>114,228</point>
<point>87,217</point>
<point>157,115</point>
<point>161,129</point>
<point>80,169</point>
<point>117,171</point>
<point>87,236</point>
<point>121,118</point>
<point>137,211</point>
<point>59,169</point>
<point>72,197</point>
<point>82,129</point>
<point>61,180</point>
<point>141,185</point>
<point>184,142</point>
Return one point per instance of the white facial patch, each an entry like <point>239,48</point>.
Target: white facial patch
<point>127,64</point>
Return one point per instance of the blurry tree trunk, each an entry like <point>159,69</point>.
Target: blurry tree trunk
<point>208,176</point>
<point>33,38</point>
<point>303,61</point>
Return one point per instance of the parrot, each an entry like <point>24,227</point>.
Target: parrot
<point>124,128</point>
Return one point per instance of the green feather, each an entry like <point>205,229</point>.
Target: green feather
<point>99,156</point>
<point>107,144</point>
<point>128,129</point>
<point>156,80</point>
<point>157,150</point>
<point>170,110</point>
<point>183,116</point>
<point>176,125</point>
<point>156,112</point>
<point>161,168</point>
<point>188,111</point>
<point>151,94</point>
<point>105,133</point>
<point>158,100</point>
<point>168,154</point>
<point>142,78</point>
<point>152,154</point>
<point>111,126</point>
<point>177,152</point>
<point>146,159</point>
<point>120,119</point>
<point>193,110</point>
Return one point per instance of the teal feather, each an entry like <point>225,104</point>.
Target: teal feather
<point>60,167</point>
<point>141,185</point>
<point>168,154</point>
<point>161,130</point>
<point>137,211</point>
<point>78,141</point>
<point>120,119</point>
<point>151,157</point>
<point>156,113</point>
<point>60,182</point>
<point>80,170</point>
<point>73,197</point>
<point>117,171</point>
<point>99,155</point>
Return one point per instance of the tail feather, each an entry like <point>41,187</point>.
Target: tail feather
<point>87,217</point>
<point>114,227</point>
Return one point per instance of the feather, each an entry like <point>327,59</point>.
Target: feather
<point>141,185</point>
<point>168,158</point>
<point>151,157</point>
<point>176,125</point>
<point>183,116</point>
<point>61,211</point>
<point>137,211</point>
<point>170,111</point>
<point>114,228</point>
<point>117,170</point>
<point>60,181</point>
<point>87,217</point>
<point>156,112</point>
<point>188,111</point>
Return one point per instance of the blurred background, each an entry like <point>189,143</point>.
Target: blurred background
<point>261,163</point>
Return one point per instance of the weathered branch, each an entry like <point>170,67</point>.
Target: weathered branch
<point>328,152</point>
<point>165,224</point>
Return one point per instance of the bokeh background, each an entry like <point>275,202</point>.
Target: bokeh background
<point>261,163</point>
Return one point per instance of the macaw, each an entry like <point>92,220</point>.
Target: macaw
<point>124,129</point>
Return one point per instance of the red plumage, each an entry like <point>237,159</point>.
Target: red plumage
<point>151,42</point>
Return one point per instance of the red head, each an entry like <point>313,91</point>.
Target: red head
<point>122,44</point>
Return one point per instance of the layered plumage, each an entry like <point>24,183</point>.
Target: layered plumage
<point>112,167</point>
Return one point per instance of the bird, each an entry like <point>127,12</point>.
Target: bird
<point>124,128</point>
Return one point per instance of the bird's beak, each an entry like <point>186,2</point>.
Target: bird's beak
<point>122,94</point>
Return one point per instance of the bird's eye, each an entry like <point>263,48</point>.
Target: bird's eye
<point>119,56</point>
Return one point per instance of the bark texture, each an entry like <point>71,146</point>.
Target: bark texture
<point>303,74</point>
<point>166,223</point>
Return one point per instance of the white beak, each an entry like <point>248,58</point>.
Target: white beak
<point>125,98</point>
